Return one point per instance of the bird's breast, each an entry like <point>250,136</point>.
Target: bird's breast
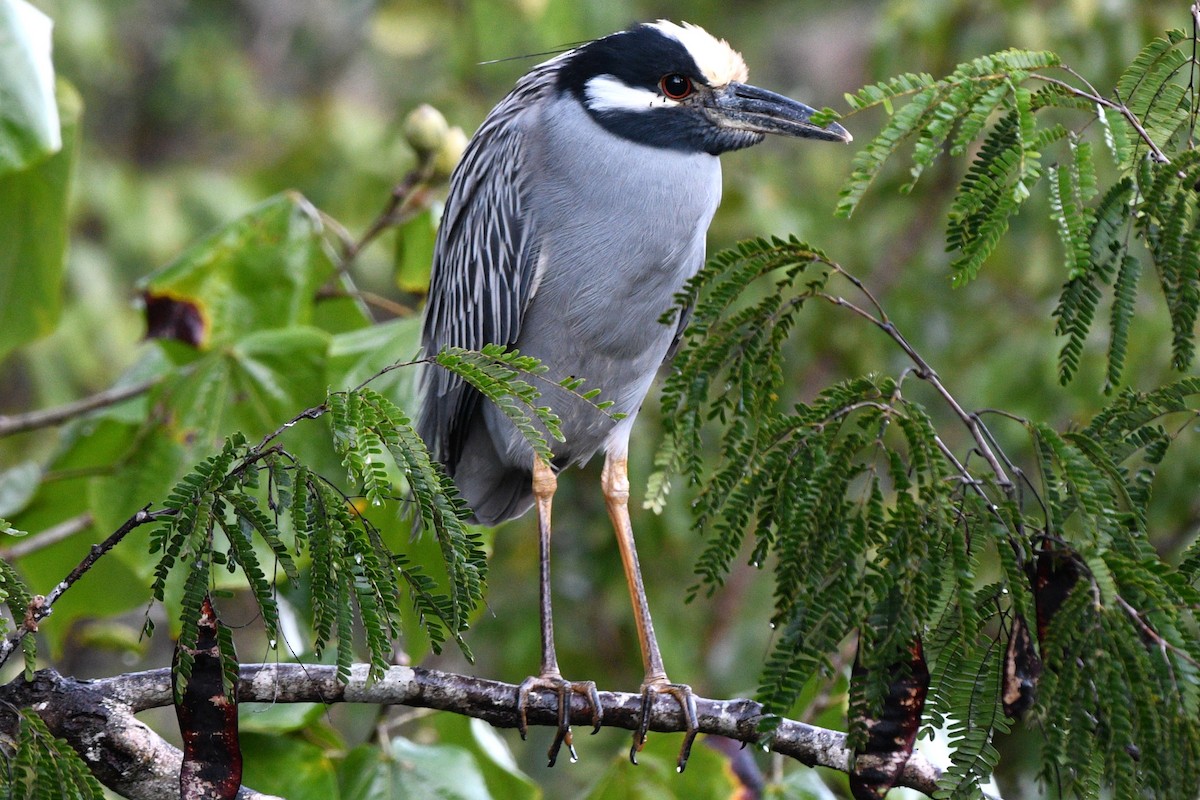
<point>620,228</point>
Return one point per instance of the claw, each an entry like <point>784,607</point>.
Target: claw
<point>562,689</point>
<point>687,706</point>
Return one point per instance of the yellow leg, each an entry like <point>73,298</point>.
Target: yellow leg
<point>545,482</point>
<point>615,482</point>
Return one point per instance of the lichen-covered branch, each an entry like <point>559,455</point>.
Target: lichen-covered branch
<point>121,751</point>
<point>96,717</point>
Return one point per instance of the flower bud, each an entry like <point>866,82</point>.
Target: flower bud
<point>454,143</point>
<point>425,129</point>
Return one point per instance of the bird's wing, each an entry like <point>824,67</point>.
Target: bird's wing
<point>484,261</point>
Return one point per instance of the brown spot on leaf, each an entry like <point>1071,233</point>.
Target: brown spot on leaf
<point>169,317</point>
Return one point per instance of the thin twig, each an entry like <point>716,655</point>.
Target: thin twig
<point>1120,108</point>
<point>19,423</point>
<point>398,205</point>
<point>308,413</point>
<point>42,606</point>
<point>371,299</point>
<point>1154,635</point>
<point>924,371</point>
<point>52,535</point>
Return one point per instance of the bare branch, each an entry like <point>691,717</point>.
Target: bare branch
<point>925,372</point>
<point>52,535</point>
<point>496,703</point>
<point>408,198</point>
<point>120,750</point>
<point>19,423</point>
<point>41,606</point>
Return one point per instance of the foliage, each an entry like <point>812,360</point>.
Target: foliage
<point>1153,115</point>
<point>15,596</point>
<point>252,495</point>
<point>884,516</point>
<point>43,766</point>
<point>875,528</point>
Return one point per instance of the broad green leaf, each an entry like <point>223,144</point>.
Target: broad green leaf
<point>29,124</point>
<point>33,229</point>
<point>259,272</point>
<point>287,766</point>
<point>17,487</point>
<point>142,476</point>
<point>414,252</point>
<point>707,776</point>
<point>504,778</point>
<point>413,772</point>
<point>362,775</point>
<point>438,771</point>
<point>801,784</point>
<point>109,588</point>
<point>357,355</point>
<point>277,718</point>
<point>114,636</point>
<point>112,586</point>
<point>252,386</point>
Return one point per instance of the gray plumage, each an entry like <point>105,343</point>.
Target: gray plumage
<point>517,265</point>
<point>571,223</point>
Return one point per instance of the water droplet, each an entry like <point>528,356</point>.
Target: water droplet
<point>679,770</point>
<point>274,644</point>
<point>772,624</point>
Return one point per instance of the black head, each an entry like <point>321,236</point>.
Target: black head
<point>677,87</point>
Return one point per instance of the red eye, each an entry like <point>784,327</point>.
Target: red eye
<point>676,86</point>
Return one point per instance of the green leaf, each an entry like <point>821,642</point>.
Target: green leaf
<point>278,718</point>
<point>38,765</point>
<point>414,252</point>
<point>707,777</point>
<point>17,487</point>
<point>287,766</point>
<point>259,272</point>
<point>252,386</point>
<point>443,771</point>
<point>33,228</point>
<point>29,123</point>
<point>500,771</point>
<point>141,476</point>
<point>356,356</point>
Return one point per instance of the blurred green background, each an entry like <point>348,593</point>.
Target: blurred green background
<point>194,112</point>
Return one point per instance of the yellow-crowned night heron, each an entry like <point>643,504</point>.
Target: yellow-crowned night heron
<point>578,211</point>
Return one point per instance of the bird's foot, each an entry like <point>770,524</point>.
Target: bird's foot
<point>563,689</point>
<point>687,704</point>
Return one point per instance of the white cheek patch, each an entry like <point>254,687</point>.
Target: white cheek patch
<point>608,93</point>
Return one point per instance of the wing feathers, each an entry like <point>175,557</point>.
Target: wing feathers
<point>484,261</point>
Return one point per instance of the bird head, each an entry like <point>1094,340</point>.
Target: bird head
<point>679,87</point>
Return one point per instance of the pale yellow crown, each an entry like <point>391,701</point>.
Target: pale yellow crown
<point>718,62</point>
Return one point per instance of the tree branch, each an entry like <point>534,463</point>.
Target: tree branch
<point>121,751</point>
<point>41,606</point>
<point>19,423</point>
<point>52,535</point>
<point>58,700</point>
